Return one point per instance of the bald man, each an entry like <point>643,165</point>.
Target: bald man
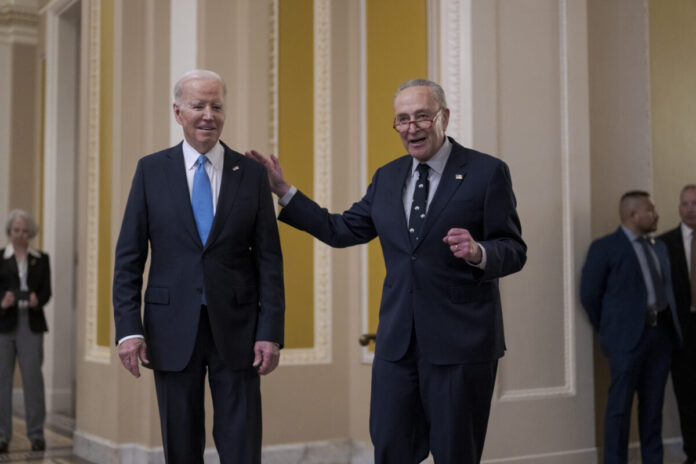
<point>626,290</point>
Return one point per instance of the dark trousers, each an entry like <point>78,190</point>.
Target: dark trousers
<point>644,372</point>
<point>236,407</point>
<point>684,383</point>
<point>418,407</point>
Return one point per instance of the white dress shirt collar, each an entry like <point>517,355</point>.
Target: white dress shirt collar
<point>215,155</point>
<point>438,161</point>
<point>9,251</point>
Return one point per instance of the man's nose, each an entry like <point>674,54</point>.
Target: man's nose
<point>207,112</point>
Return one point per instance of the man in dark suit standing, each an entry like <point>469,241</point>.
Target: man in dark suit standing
<point>445,217</point>
<point>681,245</point>
<point>214,297</point>
<point>626,289</point>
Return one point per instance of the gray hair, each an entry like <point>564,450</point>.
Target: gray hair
<point>197,74</point>
<point>434,87</point>
<point>28,219</point>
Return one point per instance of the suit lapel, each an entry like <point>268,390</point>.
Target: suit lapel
<point>678,247</point>
<point>176,179</point>
<point>631,252</point>
<point>232,171</point>
<point>452,177</point>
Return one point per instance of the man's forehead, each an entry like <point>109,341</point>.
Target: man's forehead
<point>417,96</point>
<point>688,195</point>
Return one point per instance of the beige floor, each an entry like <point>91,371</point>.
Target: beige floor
<point>58,448</point>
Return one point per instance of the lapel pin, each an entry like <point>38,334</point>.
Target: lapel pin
<point>236,168</point>
<point>458,177</point>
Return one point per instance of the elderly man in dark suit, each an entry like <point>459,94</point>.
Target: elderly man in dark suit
<point>446,219</point>
<point>681,244</point>
<point>626,289</point>
<point>214,297</point>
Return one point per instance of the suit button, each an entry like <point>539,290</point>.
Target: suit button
<point>413,257</point>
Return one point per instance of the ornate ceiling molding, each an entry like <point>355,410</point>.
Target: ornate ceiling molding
<point>19,24</point>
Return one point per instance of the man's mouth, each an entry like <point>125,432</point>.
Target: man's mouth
<point>417,141</point>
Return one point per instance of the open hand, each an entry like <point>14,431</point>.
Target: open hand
<point>131,352</point>
<point>275,172</point>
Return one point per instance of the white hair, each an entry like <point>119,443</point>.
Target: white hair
<point>28,219</point>
<point>197,74</point>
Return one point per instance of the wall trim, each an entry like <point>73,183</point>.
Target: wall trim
<point>320,353</point>
<point>456,75</point>
<point>569,386</point>
<point>93,352</point>
<point>19,24</point>
<point>346,451</point>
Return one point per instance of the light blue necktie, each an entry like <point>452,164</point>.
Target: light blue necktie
<point>202,199</point>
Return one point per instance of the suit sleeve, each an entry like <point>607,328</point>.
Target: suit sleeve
<point>505,250</point>
<point>353,227</point>
<point>593,283</point>
<point>269,265</point>
<point>43,292</point>
<point>129,263</point>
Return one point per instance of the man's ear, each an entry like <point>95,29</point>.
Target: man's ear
<point>177,112</point>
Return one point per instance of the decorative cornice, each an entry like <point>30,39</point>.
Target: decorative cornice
<point>19,24</point>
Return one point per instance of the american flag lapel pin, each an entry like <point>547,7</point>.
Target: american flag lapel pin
<point>458,176</point>
<point>236,168</point>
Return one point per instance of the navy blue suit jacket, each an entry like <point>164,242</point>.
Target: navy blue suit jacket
<point>680,274</point>
<point>240,265</point>
<point>455,307</point>
<point>613,292</point>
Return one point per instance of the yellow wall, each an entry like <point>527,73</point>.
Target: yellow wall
<point>296,148</point>
<point>672,87</point>
<point>397,44</point>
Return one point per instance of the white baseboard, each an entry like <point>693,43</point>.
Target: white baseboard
<point>96,449</point>
<point>580,456</point>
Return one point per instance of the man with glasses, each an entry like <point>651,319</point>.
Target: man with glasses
<point>445,216</point>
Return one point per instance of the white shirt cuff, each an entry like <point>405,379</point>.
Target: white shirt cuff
<point>128,337</point>
<point>482,264</point>
<point>288,196</point>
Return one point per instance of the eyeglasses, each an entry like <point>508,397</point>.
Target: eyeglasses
<point>423,122</point>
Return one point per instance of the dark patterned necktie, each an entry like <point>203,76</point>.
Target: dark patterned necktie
<point>658,283</point>
<point>419,204</point>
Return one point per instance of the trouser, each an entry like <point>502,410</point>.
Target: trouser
<point>26,347</point>
<point>236,407</point>
<point>684,383</point>
<point>643,372</point>
<point>417,407</point>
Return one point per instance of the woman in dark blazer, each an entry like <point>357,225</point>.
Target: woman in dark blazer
<point>25,287</point>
